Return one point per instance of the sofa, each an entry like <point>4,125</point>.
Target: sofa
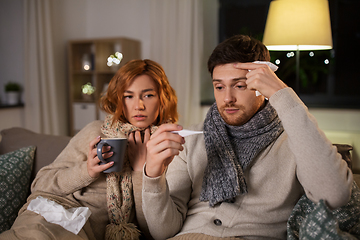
<point>24,152</point>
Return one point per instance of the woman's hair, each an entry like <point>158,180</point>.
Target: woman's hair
<point>112,102</point>
<point>238,48</point>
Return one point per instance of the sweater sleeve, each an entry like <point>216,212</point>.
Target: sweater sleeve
<point>165,211</point>
<point>68,173</point>
<point>137,177</point>
<point>320,169</point>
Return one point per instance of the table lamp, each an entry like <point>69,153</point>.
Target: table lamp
<point>295,25</point>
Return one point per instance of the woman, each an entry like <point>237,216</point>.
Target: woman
<point>138,100</point>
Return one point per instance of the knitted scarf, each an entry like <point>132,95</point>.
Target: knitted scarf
<point>230,150</point>
<point>119,187</point>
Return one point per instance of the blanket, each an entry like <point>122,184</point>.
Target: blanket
<point>316,221</point>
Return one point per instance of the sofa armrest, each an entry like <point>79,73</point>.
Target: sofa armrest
<point>48,147</point>
<point>344,150</point>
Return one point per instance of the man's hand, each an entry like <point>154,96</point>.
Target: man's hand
<point>162,147</point>
<point>261,78</point>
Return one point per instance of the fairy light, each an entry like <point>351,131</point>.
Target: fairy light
<point>114,59</point>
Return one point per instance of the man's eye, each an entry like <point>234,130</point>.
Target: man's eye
<point>240,86</point>
<point>219,87</point>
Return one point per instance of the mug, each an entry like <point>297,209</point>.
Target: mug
<point>118,147</point>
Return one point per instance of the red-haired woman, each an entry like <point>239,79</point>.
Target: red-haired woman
<point>139,98</point>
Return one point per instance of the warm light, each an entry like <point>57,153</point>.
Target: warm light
<point>298,25</point>
<point>86,67</point>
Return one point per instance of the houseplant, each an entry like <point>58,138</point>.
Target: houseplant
<point>12,92</point>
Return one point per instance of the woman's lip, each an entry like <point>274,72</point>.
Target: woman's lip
<point>139,117</point>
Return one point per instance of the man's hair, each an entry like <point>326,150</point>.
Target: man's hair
<point>112,102</point>
<point>238,48</point>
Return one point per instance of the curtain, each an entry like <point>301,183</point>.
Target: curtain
<point>177,44</point>
<point>41,105</point>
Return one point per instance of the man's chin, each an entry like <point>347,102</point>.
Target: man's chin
<point>232,120</point>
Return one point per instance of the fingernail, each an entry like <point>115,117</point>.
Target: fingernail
<point>98,137</point>
<point>179,127</point>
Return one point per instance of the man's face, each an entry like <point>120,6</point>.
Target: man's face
<point>236,103</point>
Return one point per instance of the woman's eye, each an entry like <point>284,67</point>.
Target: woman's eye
<point>127,96</point>
<point>149,95</point>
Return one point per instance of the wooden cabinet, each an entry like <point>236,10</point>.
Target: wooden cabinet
<point>87,63</point>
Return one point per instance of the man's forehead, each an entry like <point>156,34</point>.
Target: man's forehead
<point>229,72</point>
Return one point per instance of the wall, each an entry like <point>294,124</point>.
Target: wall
<point>11,44</point>
<point>341,126</point>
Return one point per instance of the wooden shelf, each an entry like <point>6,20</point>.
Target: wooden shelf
<point>96,52</point>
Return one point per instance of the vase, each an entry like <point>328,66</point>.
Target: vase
<point>12,98</point>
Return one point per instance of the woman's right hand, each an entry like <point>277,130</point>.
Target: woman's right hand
<point>137,149</point>
<point>162,147</point>
<point>93,166</point>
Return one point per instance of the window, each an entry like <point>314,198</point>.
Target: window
<point>328,78</point>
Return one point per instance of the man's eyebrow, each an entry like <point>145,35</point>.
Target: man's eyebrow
<point>233,80</point>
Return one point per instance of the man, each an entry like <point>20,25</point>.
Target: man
<point>256,158</point>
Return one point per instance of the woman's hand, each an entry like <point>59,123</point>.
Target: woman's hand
<point>162,147</point>
<point>93,167</point>
<point>137,149</point>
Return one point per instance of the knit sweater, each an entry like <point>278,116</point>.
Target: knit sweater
<point>301,160</point>
<point>67,182</point>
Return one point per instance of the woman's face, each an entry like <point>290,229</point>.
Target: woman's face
<point>142,102</point>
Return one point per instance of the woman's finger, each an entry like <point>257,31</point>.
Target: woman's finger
<point>166,128</point>
<point>147,135</point>
<point>138,137</point>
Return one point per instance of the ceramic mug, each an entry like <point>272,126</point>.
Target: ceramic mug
<point>118,147</point>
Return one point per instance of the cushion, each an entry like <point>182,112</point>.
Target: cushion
<point>48,147</point>
<point>316,221</point>
<point>15,171</point>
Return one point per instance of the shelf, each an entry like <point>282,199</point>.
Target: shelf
<point>3,106</point>
<point>93,53</point>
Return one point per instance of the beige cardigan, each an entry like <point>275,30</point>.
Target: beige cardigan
<point>67,182</point>
<point>301,160</point>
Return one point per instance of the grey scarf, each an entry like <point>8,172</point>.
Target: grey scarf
<point>230,150</point>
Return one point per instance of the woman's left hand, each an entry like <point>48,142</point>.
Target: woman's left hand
<point>137,149</point>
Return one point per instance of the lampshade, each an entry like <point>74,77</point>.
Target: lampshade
<point>298,25</point>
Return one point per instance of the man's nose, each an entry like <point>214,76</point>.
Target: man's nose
<point>229,96</point>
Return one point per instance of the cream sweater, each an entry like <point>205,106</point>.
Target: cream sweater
<point>302,160</point>
<point>67,182</point>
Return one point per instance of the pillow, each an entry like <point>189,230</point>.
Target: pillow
<point>15,171</point>
<point>316,221</point>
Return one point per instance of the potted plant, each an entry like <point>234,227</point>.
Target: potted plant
<point>87,91</point>
<point>12,91</point>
